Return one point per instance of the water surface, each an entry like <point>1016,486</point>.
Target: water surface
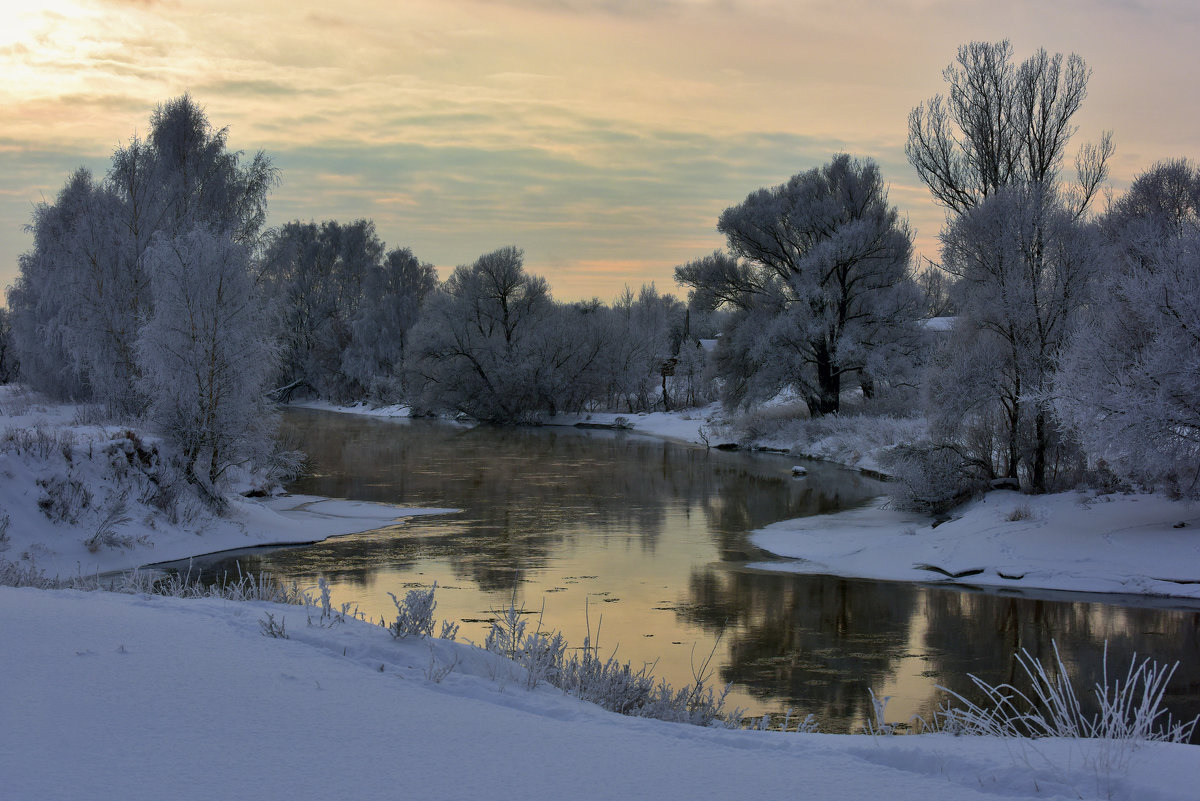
<point>645,542</point>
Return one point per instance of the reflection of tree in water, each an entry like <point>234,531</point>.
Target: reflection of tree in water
<point>958,644</point>
<point>749,501</point>
<point>525,492</point>
<point>814,643</point>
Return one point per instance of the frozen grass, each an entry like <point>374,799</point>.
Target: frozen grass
<point>614,685</point>
<point>242,587</point>
<point>1130,708</point>
<point>1130,713</point>
<point>414,615</point>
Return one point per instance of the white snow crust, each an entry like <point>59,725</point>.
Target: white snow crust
<point>1076,541</point>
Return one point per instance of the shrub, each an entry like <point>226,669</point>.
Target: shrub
<point>64,499</point>
<point>1019,513</point>
<point>106,535</point>
<point>929,477</point>
<point>272,629</point>
<point>414,615</point>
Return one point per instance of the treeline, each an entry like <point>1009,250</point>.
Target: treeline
<point>1070,353</point>
<point>357,322</point>
<point>155,292</point>
<point>1073,354</point>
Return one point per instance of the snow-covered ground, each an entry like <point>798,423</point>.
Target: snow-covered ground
<point>147,697</point>
<point>83,474</point>
<point>1079,541</point>
<point>692,426</point>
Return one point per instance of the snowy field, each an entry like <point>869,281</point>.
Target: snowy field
<point>146,697</point>
<point>1081,541</point>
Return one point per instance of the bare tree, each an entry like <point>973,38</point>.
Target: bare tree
<point>1003,124</point>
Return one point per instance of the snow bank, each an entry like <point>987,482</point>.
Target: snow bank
<point>1069,541</point>
<point>80,498</point>
<point>145,697</point>
<point>691,426</point>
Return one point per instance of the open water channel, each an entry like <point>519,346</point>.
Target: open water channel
<point>647,540</point>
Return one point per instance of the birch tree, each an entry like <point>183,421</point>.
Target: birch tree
<point>83,290</point>
<point>206,355</point>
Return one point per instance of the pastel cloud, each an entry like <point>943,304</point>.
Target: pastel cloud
<point>603,136</point>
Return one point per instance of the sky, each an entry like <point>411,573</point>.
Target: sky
<point>604,137</point>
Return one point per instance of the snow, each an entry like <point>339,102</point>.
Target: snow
<point>364,409</point>
<point>58,548</point>
<point>145,697</point>
<point>1077,541</point>
<point>689,426</point>
<point>938,324</point>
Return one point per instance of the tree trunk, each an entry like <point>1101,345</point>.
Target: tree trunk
<point>829,382</point>
<point>1039,452</point>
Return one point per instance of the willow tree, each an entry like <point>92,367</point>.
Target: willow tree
<point>817,275</point>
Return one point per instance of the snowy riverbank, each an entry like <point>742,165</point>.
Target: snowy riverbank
<point>136,696</point>
<point>80,498</point>
<point>1078,541</point>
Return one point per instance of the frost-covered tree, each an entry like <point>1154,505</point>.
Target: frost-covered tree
<point>315,273</point>
<point>47,298</point>
<point>83,291</point>
<point>492,343</point>
<point>1023,264</point>
<point>1004,124</point>
<point>1129,382</point>
<point>8,357</point>
<point>392,295</point>
<point>817,277</point>
<point>472,348</point>
<point>647,331</point>
<point>206,355</point>
<point>194,178</point>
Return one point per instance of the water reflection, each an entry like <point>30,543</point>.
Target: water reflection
<point>650,538</point>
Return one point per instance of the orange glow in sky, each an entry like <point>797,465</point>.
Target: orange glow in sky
<point>602,136</point>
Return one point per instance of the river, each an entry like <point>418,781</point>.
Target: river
<point>645,542</point>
